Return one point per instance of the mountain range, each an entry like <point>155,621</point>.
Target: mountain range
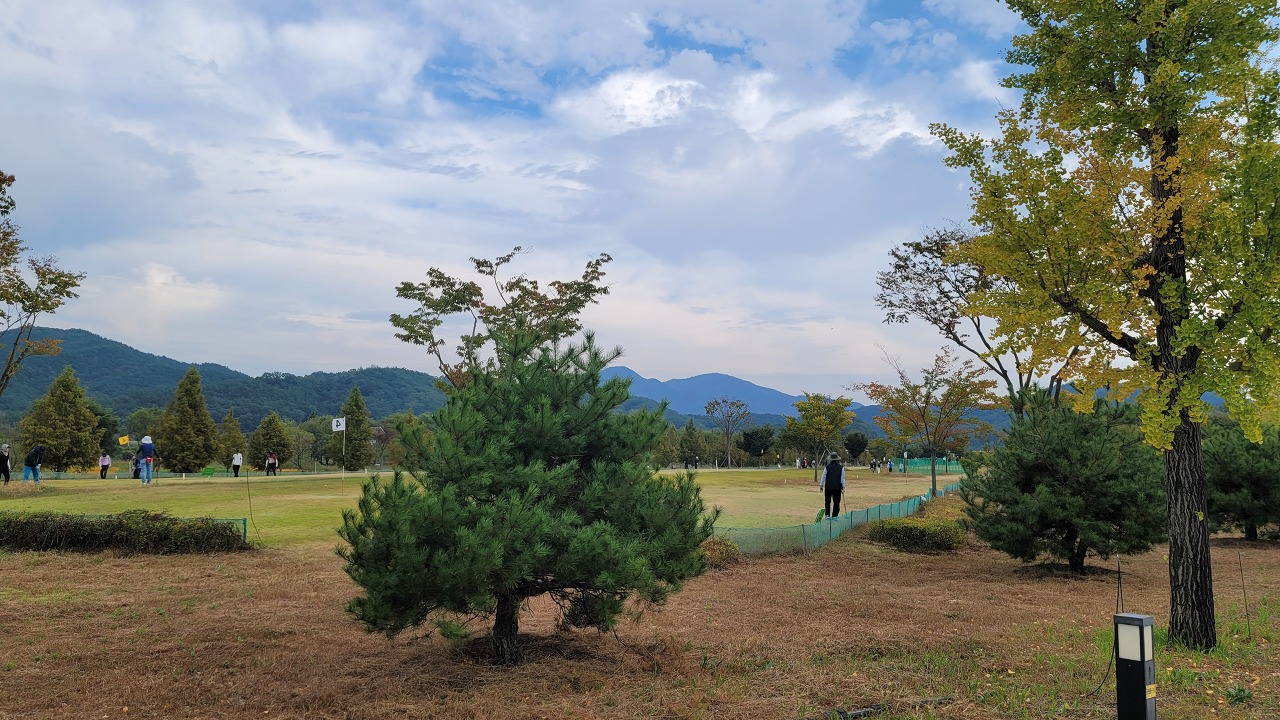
<point>124,379</point>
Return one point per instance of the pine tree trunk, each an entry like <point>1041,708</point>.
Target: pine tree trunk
<point>1191,620</point>
<point>506,625</point>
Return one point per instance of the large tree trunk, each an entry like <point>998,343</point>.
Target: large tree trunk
<point>1191,620</point>
<point>506,625</point>
<point>933,475</point>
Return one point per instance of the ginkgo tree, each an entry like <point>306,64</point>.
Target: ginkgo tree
<point>1130,210</point>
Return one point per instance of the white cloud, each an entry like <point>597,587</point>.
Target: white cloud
<point>992,16</point>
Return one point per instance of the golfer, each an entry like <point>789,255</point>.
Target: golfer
<point>147,459</point>
<point>832,484</point>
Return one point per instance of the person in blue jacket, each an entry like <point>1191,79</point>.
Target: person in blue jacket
<point>832,484</point>
<point>147,458</point>
<point>31,466</point>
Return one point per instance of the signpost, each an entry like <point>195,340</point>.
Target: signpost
<point>340,425</point>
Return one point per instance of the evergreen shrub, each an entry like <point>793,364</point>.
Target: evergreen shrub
<point>130,532</point>
<point>916,534</point>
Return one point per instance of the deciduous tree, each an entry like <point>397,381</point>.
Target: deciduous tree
<point>517,304</point>
<point>817,430</point>
<point>24,296</point>
<point>186,438</point>
<point>938,410</point>
<point>62,421</point>
<point>1129,210</point>
<point>730,415</point>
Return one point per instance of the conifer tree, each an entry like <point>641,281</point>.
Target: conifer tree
<point>530,483</point>
<point>271,434</point>
<point>691,445</point>
<point>1244,488</point>
<point>186,439</point>
<point>1066,485</point>
<point>230,439</point>
<point>62,421</point>
<point>359,435</point>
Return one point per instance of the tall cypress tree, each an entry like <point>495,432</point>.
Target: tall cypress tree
<point>359,439</point>
<point>63,422</point>
<point>186,438</point>
<point>230,438</point>
<point>271,434</point>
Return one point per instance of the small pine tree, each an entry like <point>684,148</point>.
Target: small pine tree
<point>64,423</point>
<point>1067,484</point>
<point>186,438</point>
<point>230,439</point>
<point>359,435</point>
<point>691,444</point>
<point>528,484</point>
<point>271,434</point>
<point>1243,486</point>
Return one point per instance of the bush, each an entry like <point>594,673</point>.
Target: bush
<point>915,534</point>
<point>717,552</point>
<point>132,531</point>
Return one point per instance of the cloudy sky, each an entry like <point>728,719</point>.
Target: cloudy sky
<point>246,182</point>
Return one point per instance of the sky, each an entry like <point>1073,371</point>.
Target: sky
<point>246,182</point>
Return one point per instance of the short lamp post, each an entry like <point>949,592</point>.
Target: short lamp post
<point>1135,668</point>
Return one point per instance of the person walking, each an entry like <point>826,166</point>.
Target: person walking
<point>273,462</point>
<point>236,461</point>
<point>104,464</point>
<point>31,466</point>
<point>832,485</point>
<point>147,457</point>
<point>4,462</point>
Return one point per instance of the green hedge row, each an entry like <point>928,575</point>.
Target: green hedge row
<point>132,531</point>
<point>916,534</point>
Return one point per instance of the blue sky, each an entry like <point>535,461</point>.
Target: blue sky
<point>246,182</point>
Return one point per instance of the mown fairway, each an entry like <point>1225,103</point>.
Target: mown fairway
<point>293,509</point>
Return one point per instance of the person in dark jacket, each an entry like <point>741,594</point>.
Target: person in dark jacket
<point>832,484</point>
<point>147,458</point>
<point>136,466</point>
<point>4,462</point>
<point>273,463</point>
<point>31,466</point>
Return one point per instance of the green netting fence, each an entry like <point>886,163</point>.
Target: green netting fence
<point>807,538</point>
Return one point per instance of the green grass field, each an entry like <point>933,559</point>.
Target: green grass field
<point>300,509</point>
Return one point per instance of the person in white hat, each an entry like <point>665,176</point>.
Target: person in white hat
<point>147,458</point>
<point>832,484</point>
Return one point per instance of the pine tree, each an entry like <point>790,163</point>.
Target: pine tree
<point>1244,489</point>
<point>1068,484</point>
<point>271,434</point>
<point>690,445</point>
<point>63,422</point>
<point>359,435</point>
<point>230,439</point>
<point>528,484</point>
<point>186,438</point>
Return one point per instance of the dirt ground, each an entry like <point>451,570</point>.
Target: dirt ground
<point>265,635</point>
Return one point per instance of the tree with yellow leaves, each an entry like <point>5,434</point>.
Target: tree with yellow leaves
<point>1130,209</point>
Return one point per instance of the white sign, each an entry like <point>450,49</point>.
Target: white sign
<point>339,424</point>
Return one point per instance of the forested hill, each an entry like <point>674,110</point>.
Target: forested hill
<point>124,379</point>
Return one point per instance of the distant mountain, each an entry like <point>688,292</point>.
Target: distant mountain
<point>689,396</point>
<point>124,379</point>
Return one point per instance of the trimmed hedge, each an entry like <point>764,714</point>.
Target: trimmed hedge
<point>916,534</point>
<point>130,532</point>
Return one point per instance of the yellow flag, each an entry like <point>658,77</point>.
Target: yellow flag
<point>124,440</point>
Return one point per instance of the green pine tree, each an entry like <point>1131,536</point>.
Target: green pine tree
<point>528,483</point>
<point>359,435</point>
<point>109,425</point>
<point>1244,489</point>
<point>271,434</point>
<point>230,439</point>
<point>691,445</point>
<point>186,439</point>
<point>1068,484</point>
<point>64,423</point>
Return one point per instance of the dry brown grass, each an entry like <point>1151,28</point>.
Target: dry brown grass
<point>264,635</point>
